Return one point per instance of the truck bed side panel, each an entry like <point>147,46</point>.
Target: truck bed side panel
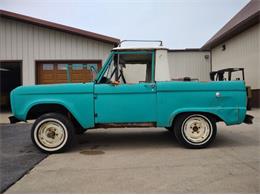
<point>179,97</point>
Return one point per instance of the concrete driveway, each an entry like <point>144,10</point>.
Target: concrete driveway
<point>151,161</point>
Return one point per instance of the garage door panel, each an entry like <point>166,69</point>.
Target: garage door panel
<point>55,72</point>
<point>61,81</point>
<point>81,76</point>
<point>61,76</point>
<point>47,76</point>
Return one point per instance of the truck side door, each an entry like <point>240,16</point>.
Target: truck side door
<point>126,92</point>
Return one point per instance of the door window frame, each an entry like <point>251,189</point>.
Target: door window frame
<point>111,56</point>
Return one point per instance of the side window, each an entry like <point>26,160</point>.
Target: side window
<point>136,73</point>
<point>129,68</point>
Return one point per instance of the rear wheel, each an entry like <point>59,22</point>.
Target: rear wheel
<point>195,130</point>
<point>52,133</point>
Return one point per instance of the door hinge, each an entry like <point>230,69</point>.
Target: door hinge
<point>95,115</point>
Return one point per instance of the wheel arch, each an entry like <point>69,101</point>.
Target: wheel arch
<point>39,109</point>
<point>213,115</point>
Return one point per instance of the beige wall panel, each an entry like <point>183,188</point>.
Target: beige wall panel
<point>8,40</point>
<point>189,64</point>
<point>2,39</point>
<point>31,52</point>
<point>241,51</point>
<point>41,43</point>
<point>19,43</point>
<point>13,40</point>
<point>28,42</point>
<point>36,42</point>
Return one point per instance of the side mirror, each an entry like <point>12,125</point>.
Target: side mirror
<point>93,69</point>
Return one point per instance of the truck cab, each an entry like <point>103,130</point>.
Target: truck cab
<point>128,82</point>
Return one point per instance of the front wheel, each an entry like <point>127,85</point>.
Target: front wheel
<point>52,133</point>
<point>195,130</point>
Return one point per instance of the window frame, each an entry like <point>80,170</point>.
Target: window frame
<point>111,56</point>
<point>48,65</point>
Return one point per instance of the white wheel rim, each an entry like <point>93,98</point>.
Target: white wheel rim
<point>50,134</point>
<point>197,129</point>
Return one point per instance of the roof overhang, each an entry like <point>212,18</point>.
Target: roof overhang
<point>60,27</point>
<point>243,20</point>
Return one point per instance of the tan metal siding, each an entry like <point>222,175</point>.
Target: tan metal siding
<point>28,42</point>
<point>241,51</point>
<point>2,39</point>
<point>189,64</point>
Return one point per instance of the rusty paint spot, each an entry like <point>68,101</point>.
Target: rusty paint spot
<point>91,152</point>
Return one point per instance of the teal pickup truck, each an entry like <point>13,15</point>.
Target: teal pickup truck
<point>133,89</point>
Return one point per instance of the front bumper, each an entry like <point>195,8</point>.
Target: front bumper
<point>13,119</point>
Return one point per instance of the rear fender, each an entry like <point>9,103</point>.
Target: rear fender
<point>229,115</point>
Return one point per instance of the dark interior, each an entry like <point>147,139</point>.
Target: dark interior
<point>10,78</point>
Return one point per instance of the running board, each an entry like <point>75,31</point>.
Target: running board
<point>120,125</point>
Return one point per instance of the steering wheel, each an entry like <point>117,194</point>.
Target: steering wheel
<point>105,80</point>
<point>109,81</point>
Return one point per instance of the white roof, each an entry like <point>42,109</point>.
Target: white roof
<point>140,48</point>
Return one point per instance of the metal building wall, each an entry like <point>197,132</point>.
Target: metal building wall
<point>194,64</point>
<point>27,42</point>
<point>241,51</point>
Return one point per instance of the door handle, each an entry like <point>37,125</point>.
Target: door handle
<point>218,94</point>
<point>152,85</point>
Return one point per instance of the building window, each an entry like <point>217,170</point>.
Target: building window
<point>47,66</point>
<point>77,66</point>
<point>62,66</point>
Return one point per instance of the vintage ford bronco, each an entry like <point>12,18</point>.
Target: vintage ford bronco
<point>133,89</point>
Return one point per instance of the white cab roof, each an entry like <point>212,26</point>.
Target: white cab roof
<point>140,48</point>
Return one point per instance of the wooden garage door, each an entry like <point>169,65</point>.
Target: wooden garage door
<point>66,72</point>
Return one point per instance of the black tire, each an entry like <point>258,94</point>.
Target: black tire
<point>170,129</point>
<point>62,124</point>
<point>80,130</point>
<point>181,130</point>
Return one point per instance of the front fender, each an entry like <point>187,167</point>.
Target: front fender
<point>80,106</point>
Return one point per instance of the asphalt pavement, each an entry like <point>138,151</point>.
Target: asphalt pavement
<point>17,154</point>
